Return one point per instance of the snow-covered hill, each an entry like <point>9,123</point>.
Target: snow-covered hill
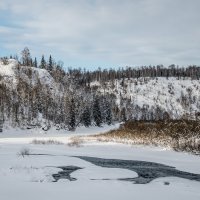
<point>11,73</point>
<point>176,96</point>
<point>72,99</point>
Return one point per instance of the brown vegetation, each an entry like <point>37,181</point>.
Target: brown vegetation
<point>75,142</point>
<point>181,135</point>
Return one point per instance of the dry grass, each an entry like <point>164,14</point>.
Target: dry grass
<point>75,142</point>
<point>46,142</point>
<point>181,135</point>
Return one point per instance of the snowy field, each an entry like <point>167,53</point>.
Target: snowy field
<point>30,177</point>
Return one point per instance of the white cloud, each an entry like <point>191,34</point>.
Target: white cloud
<point>118,32</point>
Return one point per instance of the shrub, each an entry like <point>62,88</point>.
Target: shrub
<point>24,152</point>
<point>46,142</point>
<point>75,142</point>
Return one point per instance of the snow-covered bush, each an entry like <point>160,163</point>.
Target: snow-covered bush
<point>24,152</point>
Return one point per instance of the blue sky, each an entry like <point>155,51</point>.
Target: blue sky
<point>106,33</point>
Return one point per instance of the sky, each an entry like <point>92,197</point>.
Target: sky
<point>103,33</point>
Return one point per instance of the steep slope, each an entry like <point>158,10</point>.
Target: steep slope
<point>7,72</point>
<point>175,96</point>
<point>11,73</point>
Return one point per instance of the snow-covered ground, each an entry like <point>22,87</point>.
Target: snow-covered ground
<point>17,135</point>
<point>29,177</point>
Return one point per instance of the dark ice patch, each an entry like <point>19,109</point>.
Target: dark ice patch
<point>147,171</point>
<point>65,173</point>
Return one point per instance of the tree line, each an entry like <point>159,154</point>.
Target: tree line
<point>103,75</point>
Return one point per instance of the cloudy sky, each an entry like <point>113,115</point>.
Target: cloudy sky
<point>107,33</point>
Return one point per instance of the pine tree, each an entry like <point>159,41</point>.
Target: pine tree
<point>108,113</point>
<point>72,120</point>
<point>97,112</point>
<point>50,64</point>
<point>43,63</point>
<point>86,117</point>
<point>35,63</point>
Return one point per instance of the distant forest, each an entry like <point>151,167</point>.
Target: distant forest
<point>73,99</point>
<point>103,75</point>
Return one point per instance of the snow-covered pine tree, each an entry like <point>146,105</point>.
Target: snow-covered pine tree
<point>72,120</point>
<point>97,112</point>
<point>35,63</point>
<point>43,63</point>
<point>50,64</point>
<point>86,117</point>
<point>108,112</point>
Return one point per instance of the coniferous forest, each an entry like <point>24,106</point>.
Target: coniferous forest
<point>43,93</point>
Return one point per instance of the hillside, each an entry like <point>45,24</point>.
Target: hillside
<point>178,97</point>
<point>32,96</point>
<point>12,72</point>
